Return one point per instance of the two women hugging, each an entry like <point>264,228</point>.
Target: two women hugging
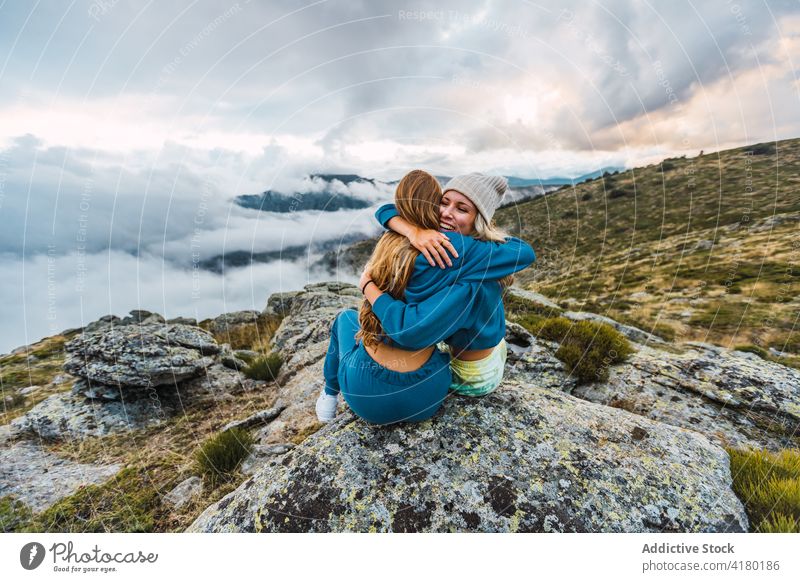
<point>437,276</point>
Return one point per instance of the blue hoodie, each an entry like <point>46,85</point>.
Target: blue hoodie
<point>460,304</point>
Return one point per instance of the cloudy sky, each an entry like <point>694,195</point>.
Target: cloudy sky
<point>126,127</point>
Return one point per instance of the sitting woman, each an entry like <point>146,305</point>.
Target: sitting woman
<point>385,380</point>
<point>478,348</point>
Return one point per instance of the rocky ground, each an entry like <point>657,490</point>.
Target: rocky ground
<point>642,451</point>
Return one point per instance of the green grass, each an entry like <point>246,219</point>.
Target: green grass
<point>247,336</point>
<point>676,203</point>
<point>264,368</point>
<point>220,456</point>
<point>769,486</point>
<point>125,503</point>
<point>14,514</point>
<point>588,349</point>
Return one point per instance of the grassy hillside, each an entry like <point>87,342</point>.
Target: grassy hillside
<point>703,248</point>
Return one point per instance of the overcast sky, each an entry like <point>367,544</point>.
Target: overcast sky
<point>142,116</point>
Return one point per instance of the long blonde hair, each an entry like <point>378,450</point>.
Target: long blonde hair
<point>417,199</point>
<point>488,231</point>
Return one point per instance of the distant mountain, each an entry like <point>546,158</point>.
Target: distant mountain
<point>245,258</point>
<point>326,192</point>
<point>332,192</point>
<point>514,182</point>
<point>271,201</point>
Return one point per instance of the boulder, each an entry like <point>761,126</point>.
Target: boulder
<point>184,492</point>
<point>226,321</point>
<point>140,356</point>
<point>39,478</point>
<point>102,410</point>
<point>734,398</point>
<point>520,459</point>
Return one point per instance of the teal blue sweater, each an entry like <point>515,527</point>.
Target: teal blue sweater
<point>459,304</point>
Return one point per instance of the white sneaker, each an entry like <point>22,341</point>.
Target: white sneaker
<point>326,406</point>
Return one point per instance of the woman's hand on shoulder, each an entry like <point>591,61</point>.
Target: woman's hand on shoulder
<point>434,246</point>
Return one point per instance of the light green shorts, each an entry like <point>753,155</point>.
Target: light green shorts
<point>479,377</point>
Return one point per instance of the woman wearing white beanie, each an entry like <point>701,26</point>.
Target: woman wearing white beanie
<point>468,205</point>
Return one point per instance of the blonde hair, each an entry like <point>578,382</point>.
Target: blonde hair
<point>391,265</point>
<point>486,230</point>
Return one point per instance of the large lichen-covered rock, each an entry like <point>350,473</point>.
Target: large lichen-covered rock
<point>141,356</point>
<point>39,478</point>
<point>734,398</point>
<point>520,459</point>
<point>302,339</point>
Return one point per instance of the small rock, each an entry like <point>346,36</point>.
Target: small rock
<point>262,417</point>
<point>184,492</point>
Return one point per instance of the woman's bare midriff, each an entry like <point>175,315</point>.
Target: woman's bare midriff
<point>399,360</point>
<point>471,355</point>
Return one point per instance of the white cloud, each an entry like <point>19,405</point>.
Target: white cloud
<point>43,295</point>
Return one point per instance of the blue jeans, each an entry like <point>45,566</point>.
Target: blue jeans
<point>377,394</point>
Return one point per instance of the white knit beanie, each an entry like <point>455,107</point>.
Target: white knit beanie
<point>485,192</point>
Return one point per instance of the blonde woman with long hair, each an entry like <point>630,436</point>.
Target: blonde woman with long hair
<point>403,377</point>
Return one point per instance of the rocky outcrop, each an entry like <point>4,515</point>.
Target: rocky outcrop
<point>734,398</point>
<point>131,377</point>
<point>136,317</point>
<point>529,457</point>
<point>641,452</point>
<point>140,356</point>
<point>226,321</point>
<point>520,459</point>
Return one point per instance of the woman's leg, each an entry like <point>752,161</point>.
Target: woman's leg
<point>343,340</point>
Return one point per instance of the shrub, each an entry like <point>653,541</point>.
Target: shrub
<point>125,503</point>
<point>763,149</point>
<point>618,193</point>
<point>264,368</point>
<point>587,196</point>
<point>769,486</point>
<point>587,348</point>
<point>220,456</point>
<point>555,329</point>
